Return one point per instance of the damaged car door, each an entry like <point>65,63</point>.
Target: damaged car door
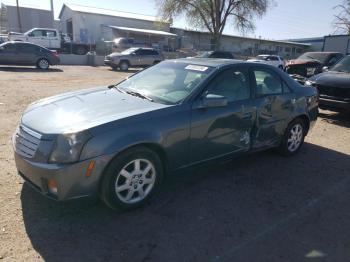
<point>275,105</point>
<point>223,116</point>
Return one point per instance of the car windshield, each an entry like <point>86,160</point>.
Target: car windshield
<point>129,51</point>
<point>342,66</point>
<point>166,82</point>
<point>204,54</point>
<point>322,57</point>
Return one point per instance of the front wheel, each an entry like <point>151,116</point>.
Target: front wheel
<point>293,138</point>
<point>132,179</point>
<point>43,64</point>
<point>124,66</point>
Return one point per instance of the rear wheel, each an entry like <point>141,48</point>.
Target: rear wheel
<point>43,64</point>
<point>293,138</point>
<point>124,65</point>
<point>132,179</point>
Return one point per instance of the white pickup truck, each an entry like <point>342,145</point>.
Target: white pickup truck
<point>51,39</point>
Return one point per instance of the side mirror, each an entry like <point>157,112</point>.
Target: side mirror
<point>325,69</point>
<point>31,34</point>
<point>211,100</point>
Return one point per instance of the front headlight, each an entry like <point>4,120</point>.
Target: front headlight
<point>309,83</point>
<point>68,147</point>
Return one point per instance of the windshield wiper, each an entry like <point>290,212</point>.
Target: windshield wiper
<point>133,93</point>
<point>116,87</point>
<point>137,94</point>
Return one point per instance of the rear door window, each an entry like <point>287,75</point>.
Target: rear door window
<point>267,83</point>
<point>141,52</point>
<point>51,33</point>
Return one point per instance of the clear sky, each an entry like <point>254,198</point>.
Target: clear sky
<point>287,19</point>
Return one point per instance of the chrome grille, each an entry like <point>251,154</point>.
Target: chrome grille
<point>26,142</point>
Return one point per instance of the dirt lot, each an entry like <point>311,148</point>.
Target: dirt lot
<point>257,208</point>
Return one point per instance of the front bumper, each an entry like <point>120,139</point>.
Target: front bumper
<point>334,104</point>
<point>70,178</point>
<point>110,63</point>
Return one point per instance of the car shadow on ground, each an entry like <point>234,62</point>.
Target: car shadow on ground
<point>29,70</point>
<point>130,70</point>
<point>336,118</point>
<point>261,207</point>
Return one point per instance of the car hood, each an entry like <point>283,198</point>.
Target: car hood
<point>117,54</point>
<point>333,79</point>
<point>303,62</point>
<point>256,60</point>
<point>15,33</point>
<point>81,110</point>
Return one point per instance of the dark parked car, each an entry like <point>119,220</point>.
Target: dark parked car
<point>334,86</point>
<point>133,57</point>
<point>22,53</point>
<point>216,54</point>
<point>119,142</point>
<point>312,63</point>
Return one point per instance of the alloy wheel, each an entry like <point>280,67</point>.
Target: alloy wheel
<point>43,64</point>
<point>295,137</point>
<point>135,181</point>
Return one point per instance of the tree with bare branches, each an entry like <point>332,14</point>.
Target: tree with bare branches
<point>342,19</point>
<point>214,15</point>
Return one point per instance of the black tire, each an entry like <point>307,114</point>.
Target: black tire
<point>112,176</point>
<point>156,62</point>
<point>80,50</point>
<point>285,147</point>
<point>124,65</point>
<point>43,64</point>
<point>114,68</point>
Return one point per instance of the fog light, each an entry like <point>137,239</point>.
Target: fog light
<point>52,186</point>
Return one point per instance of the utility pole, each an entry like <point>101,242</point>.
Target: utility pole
<point>19,17</point>
<point>52,12</point>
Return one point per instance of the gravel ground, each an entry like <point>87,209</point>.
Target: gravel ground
<point>261,207</point>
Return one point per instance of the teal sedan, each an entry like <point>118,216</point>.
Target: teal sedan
<point>118,142</point>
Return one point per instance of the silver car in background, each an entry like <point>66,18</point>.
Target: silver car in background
<point>133,57</point>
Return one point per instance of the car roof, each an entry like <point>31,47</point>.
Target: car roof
<point>144,48</point>
<point>23,42</point>
<point>326,53</point>
<point>220,51</point>
<point>20,42</point>
<point>211,62</point>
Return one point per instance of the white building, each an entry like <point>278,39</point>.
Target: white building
<point>245,46</point>
<point>93,25</point>
<point>29,17</point>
